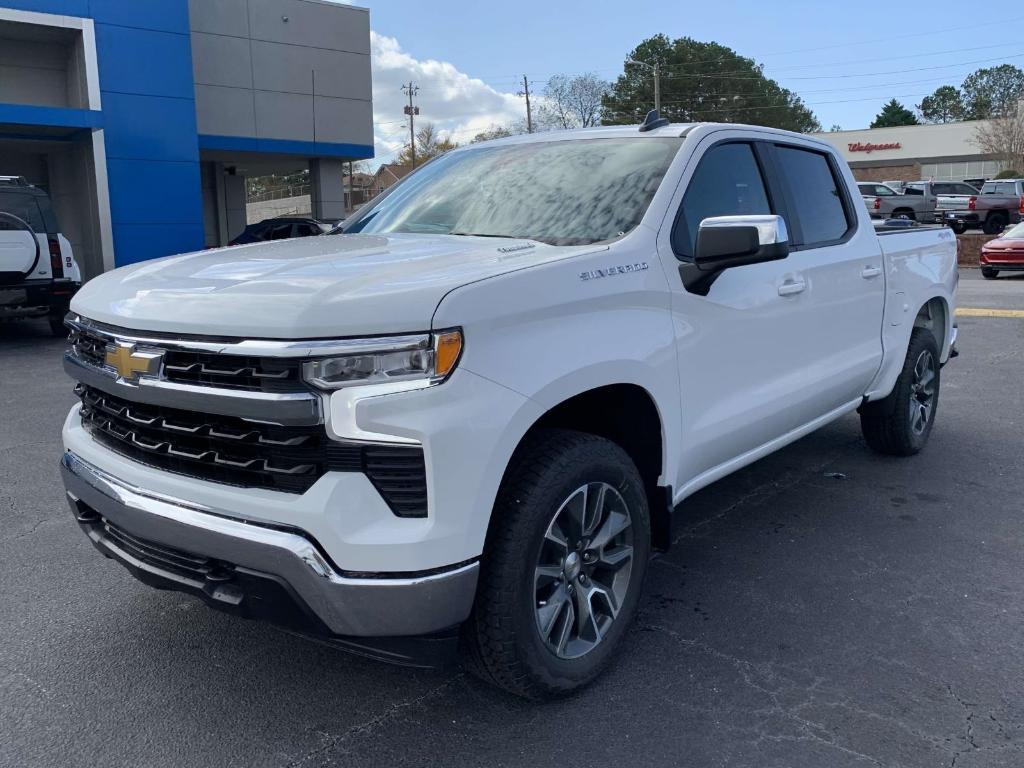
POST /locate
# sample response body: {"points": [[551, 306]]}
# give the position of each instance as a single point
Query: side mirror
{"points": [[724, 242]]}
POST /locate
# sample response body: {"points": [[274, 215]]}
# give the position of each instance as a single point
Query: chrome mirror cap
{"points": [[771, 229]]}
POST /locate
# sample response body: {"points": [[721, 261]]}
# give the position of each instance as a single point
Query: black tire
{"points": [[958, 228], [503, 637], [904, 213], [57, 327], [891, 425], [989, 274], [994, 223]]}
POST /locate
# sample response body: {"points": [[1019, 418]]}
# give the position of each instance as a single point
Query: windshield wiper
{"points": [[481, 234]]}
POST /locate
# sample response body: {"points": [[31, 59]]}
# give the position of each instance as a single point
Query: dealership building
{"points": [[142, 118], [943, 152]]}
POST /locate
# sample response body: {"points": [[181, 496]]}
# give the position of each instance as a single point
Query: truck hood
{"points": [[314, 287]]}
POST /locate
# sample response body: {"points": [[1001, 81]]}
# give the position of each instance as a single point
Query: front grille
{"points": [[258, 374], [234, 451]]}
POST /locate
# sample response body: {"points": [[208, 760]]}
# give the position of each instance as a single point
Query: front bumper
{"points": [[273, 573], [36, 297]]}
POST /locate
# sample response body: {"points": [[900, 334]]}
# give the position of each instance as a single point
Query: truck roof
{"points": [[671, 130]]}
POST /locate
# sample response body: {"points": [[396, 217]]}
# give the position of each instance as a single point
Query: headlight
{"points": [[427, 357]]}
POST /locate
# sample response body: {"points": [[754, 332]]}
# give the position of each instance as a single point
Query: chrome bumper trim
{"points": [[289, 409], [301, 348], [348, 605]]}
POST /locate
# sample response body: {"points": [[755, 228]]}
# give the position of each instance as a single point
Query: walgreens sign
{"points": [[869, 147]]}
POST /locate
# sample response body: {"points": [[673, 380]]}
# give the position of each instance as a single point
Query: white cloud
{"points": [[455, 102]]}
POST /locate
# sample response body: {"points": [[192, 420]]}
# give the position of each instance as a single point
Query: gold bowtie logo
{"points": [[131, 364]]}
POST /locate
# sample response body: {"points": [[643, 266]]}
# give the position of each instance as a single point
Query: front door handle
{"points": [[868, 272], [792, 287]]}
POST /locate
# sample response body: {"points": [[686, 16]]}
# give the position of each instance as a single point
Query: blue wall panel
{"points": [[142, 61], [151, 192], [139, 242], [164, 15], [141, 127]]}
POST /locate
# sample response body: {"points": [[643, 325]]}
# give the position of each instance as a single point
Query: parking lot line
{"points": [[981, 312]]}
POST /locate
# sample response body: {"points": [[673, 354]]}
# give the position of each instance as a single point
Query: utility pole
{"points": [[529, 115], [657, 80], [412, 89]]}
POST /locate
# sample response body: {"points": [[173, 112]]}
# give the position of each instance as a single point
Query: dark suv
{"points": [[280, 228]]}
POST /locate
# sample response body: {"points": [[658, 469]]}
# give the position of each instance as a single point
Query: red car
{"points": [[1004, 254]]}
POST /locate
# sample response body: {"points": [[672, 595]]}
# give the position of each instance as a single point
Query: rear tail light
{"points": [[972, 203], [878, 203], [56, 260], [1021, 206]]}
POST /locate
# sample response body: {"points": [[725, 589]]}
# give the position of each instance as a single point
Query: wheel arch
{"points": [[626, 414], [934, 316]]}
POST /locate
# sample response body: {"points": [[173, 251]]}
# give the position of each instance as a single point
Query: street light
{"points": [[657, 81]]}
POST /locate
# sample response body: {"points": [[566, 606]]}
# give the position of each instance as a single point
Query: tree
{"points": [[993, 91], [1003, 138], [1009, 173], [429, 144], [571, 102], [495, 131], [944, 105], [892, 115], [836, 127], [703, 81]]}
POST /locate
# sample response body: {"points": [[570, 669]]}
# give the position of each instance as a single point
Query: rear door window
{"points": [[727, 182], [816, 195], [25, 208]]}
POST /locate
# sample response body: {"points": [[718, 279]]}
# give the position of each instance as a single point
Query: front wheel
{"points": [[989, 274], [899, 425], [958, 227], [563, 566]]}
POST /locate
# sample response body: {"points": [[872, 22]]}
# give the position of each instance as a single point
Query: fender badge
{"points": [[621, 269], [514, 248]]}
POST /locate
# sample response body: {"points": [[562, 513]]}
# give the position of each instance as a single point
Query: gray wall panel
{"points": [[221, 60], [223, 17], [323, 25], [279, 67], [284, 116], [344, 120], [225, 111]]}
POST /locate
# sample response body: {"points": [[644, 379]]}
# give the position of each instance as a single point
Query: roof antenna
{"points": [[652, 121]]}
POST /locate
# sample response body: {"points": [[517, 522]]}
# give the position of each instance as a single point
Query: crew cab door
{"points": [[770, 347]]}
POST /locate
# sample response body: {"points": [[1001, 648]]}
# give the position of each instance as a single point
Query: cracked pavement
{"points": [[800, 619]]}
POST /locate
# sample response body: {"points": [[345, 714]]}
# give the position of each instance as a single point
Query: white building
{"points": [[945, 152]]}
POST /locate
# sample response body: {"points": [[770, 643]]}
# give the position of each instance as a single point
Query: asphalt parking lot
{"points": [[824, 607]]}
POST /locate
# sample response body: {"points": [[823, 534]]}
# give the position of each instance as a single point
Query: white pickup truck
{"points": [[465, 418]]}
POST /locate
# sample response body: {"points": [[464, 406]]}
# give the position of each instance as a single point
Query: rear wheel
{"points": [[899, 425], [958, 227], [57, 327], [563, 566], [995, 222], [904, 213], [989, 274]]}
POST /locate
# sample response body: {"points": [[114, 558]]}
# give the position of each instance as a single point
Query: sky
{"points": [[845, 60]]}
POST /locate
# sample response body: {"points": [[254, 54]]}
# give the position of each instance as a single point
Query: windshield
{"points": [[1016, 232], [572, 192]]}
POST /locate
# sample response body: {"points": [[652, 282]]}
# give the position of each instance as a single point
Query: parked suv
{"points": [[884, 202], [38, 273], [997, 204]]}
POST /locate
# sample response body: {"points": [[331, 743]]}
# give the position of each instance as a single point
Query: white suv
{"points": [[38, 273]]}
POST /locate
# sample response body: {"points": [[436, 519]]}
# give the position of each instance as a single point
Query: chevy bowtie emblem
{"points": [[129, 363]]}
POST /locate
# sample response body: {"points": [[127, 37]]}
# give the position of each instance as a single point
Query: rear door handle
{"points": [[868, 272], [792, 287]]}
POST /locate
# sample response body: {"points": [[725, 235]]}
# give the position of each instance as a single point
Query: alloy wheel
{"points": [[922, 393], [583, 570]]}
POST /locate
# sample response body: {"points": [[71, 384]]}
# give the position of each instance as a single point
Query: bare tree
{"points": [[1003, 137], [429, 144], [572, 102]]}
